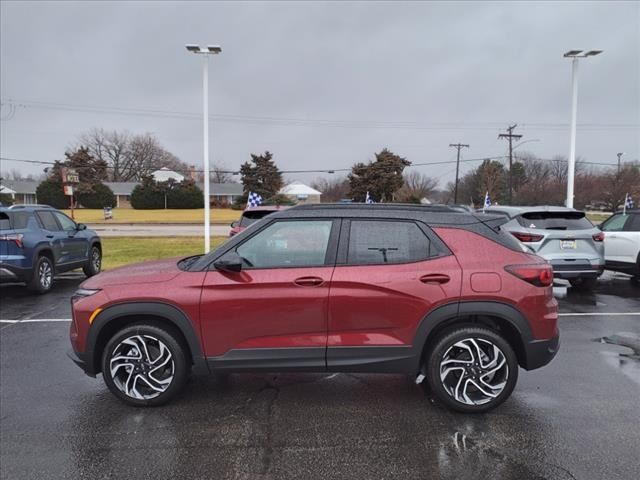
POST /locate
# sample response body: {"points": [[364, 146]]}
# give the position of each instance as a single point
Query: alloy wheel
{"points": [[142, 367], [96, 259], [45, 274], [474, 371]]}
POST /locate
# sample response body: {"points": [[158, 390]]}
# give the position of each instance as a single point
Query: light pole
{"points": [[574, 55], [205, 52]]}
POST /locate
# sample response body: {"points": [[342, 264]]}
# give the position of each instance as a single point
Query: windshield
{"points": [[250, 217], [555, 220]]}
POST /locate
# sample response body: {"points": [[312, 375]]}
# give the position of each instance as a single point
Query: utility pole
{"points": [[619, 157], [458, 146], [510, 136]]}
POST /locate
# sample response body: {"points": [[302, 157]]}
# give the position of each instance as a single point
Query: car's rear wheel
{"points": [[584, 283], [145, 364], [95, 262], [471, 369], [42, 280]]}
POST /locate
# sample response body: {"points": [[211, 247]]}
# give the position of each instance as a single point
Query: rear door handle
{"points": [[49, 236], [308, 281], [434, 278]]}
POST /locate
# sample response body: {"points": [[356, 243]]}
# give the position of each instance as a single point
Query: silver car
{"points": [[564, 237]]}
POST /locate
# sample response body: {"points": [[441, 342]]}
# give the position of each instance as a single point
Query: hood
{"points": [[148, 272]]}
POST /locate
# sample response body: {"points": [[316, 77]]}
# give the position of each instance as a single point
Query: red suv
{"points": [[426, 291]]}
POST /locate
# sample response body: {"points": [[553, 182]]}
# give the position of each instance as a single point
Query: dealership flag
{"points": [[254, 200], [487, 200], [628, 202], [368, 199]]}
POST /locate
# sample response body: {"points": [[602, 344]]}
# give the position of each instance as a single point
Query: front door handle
{"points": [[49, 236], [435, 278], [308, 281]]}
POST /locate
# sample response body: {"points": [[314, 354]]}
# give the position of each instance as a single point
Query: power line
{"points": [[303, 122]]}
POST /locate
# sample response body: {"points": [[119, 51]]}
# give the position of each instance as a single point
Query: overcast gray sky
{"points": [[322, 84]]}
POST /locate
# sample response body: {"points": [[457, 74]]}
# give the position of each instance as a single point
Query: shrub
{"points": [[279, 199], [100, 196], [50, 192], [185, 195], [147, 197], [6, 199]]}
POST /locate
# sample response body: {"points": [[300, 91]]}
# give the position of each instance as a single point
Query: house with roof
{"points": [[21, 191], [301, 193]]}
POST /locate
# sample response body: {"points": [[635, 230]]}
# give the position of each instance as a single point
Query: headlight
{"points": [[83, 292]]}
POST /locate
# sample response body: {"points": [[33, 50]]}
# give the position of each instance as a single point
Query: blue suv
{"points": [[38, 241]]}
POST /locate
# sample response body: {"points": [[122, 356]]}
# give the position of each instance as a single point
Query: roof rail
{"points": [[382, 206], [29, 205]]}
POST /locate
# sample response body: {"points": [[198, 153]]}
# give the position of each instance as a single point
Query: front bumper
{"points": [[539, 353], [79, 360]]}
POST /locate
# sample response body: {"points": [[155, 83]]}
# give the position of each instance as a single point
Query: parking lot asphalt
{"points": [[577, 418]]}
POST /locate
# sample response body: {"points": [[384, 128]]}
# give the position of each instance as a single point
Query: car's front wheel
{"points": [[42, 279], [145, 364], [471, 369], [95, 262]]}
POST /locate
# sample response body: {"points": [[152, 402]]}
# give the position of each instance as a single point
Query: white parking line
{"points": [[596, 314], [37, 320], [571, 314]]}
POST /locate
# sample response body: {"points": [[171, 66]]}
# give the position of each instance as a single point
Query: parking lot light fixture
{"points": [[571, 170], [205, 52]]}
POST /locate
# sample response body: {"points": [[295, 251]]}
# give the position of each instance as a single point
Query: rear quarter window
{"points": [[5, 222], [20, 220], [555, 220]]}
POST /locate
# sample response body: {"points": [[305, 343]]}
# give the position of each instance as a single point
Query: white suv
{"points": [[622, 242]]}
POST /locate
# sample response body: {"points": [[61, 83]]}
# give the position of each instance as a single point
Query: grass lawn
{"points": [[129, 215], [119, 251]]}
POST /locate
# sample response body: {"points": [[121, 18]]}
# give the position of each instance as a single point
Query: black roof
{"points": [[434, 214]]}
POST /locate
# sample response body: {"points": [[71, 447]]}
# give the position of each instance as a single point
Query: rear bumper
{"points": [[578, 270], [11, 273], [538, 353]]}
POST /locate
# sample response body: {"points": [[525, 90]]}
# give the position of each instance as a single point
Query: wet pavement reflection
{"points": [[576, 418]]}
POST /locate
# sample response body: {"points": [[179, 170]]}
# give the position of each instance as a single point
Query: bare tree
{"points": [[416, 187], [333, 189], [130, 157], [220, 174]]}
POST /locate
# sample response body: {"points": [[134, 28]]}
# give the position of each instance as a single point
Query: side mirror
{"points": [[231, 262], [235, 224], [81, 226]]}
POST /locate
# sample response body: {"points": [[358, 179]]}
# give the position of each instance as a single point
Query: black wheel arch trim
{"points": [[168, 312], [451, 311]]}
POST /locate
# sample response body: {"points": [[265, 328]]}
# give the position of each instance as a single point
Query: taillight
{"points": [[598, 237], [13, 237], [527, 237], [540, 275]]}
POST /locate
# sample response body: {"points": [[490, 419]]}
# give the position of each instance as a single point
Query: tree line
{"points": [[118, 156]]}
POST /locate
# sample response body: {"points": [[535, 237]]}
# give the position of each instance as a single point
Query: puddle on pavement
{"points": [[628, 361]]}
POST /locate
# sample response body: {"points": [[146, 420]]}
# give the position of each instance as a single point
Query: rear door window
{"points": [[555, 220], [48, 221], [374, 242], [633, 224]]}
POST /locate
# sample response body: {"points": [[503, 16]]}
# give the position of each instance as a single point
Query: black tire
{"points": [[179, 366], [584, 283], [43, 274], [445, 344], [95, 262]]}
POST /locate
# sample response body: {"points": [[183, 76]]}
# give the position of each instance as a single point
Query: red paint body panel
{"points": [[264, 308], [475, 253], [383, 304]]}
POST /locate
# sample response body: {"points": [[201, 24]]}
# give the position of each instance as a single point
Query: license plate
{"points": [[568, 244]]}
